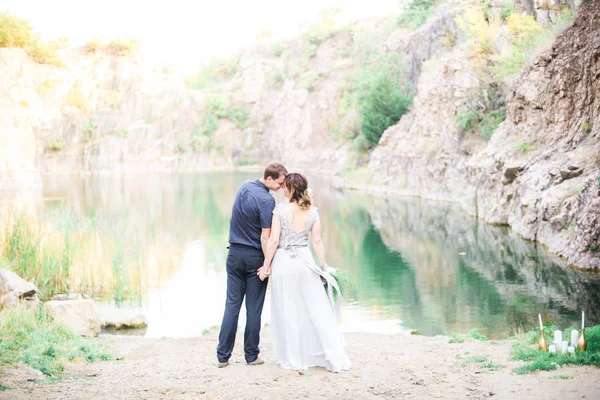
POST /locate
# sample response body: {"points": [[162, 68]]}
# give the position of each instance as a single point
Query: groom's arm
{"points": [[265, 212], [264, 239]]}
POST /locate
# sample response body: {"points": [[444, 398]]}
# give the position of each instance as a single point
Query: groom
{"points": [[249, 231]]}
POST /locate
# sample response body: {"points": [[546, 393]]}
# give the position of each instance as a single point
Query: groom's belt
{"points": [[242, 246]]}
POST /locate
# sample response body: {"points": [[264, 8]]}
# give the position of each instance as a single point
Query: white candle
{"points": [[552, 348], [565, 346], [557, 336], [571, 349], [582, 319], [540, 318], [574, 337]]}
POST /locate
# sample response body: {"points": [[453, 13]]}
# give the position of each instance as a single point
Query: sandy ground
{"points": [[385, 367]]}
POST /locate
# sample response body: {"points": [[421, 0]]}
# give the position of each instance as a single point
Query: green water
{"points": [[413, 264]]}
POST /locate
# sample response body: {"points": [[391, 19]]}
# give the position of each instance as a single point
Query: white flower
{"points": [[309, 192], [330, 270]]}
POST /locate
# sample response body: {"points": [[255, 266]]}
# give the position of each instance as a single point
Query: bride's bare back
{"points": [[297, 216]]}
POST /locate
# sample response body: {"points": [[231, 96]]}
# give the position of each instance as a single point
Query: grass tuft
{"points": [[31, 336]]}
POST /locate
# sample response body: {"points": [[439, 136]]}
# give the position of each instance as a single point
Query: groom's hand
{"points": [[263, 273]]}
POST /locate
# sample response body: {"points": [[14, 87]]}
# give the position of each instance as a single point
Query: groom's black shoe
{"points": [[258, 361]]}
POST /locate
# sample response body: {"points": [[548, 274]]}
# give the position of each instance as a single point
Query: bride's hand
{"points": [[263, 273]]}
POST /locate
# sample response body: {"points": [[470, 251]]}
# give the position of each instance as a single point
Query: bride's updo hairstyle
{"points": [[297, 185]]}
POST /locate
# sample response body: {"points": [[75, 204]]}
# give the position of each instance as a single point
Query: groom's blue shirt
{"points": [[252, 211]]}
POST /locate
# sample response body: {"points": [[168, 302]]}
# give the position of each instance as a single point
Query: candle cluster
{"points": [[563, 346]]}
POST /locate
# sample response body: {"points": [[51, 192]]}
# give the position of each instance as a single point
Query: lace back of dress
{"points": [[288, 236]]}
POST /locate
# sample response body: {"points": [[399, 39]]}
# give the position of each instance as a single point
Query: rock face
{"points": [[540, 171], [79, 315], [433, 39], [14, 290], [547, 12], [551, 193]]}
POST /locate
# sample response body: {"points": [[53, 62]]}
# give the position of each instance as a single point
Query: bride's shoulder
{"points": [[279, 207]]}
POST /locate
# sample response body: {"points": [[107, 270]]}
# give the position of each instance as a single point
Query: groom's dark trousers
{"points": [[242, 280]]}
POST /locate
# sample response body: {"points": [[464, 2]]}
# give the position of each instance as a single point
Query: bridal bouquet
{"points": [[342, 279]]}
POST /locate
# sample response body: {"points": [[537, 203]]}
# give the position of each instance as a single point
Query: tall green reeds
{"points": [[67, 253]]}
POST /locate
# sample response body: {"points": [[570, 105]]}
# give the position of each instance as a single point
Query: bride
{"points": [[303, 314]]}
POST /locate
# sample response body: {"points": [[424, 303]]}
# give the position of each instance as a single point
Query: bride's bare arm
{"points": [[272, 244], [318, 243]]}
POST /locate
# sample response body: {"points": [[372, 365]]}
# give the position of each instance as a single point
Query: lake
{"points": [[410, 264]]}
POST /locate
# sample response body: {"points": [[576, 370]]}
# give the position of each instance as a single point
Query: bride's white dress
{"points": [[303, 317]]}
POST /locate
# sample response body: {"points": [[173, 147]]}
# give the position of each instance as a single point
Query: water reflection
{"points": [[417, 265]]}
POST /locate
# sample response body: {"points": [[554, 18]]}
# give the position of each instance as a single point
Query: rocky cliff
{"points": [[539, 173]]}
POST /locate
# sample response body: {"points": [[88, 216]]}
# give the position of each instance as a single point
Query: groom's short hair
{"points": [[274, 170]]}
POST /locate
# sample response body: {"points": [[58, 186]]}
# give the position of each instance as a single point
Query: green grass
{"points": [[560, 377], [475, 359], [586, 127], [474, 334], [456, 338], [524, 146], [524, 350], [492, 367], [34, 338]]}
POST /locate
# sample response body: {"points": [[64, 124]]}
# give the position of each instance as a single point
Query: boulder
{"points": [[118, 319], [15, 290], [79, 315]]}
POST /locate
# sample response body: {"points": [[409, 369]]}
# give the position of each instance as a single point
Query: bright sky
{"points": [[183, 32]]}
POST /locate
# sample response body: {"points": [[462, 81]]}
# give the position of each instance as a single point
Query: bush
{"points": [[324, 28], [55, 145], [214, 73], [46, 52], [16, 32], [277, 49], [209, 125], [416, 14], [218, 105], [309, 49], [239, 116], [75, 97], [93, 45], [527, 36], [345, 102], [484, 123], [309, 79], [481, 33], [506, 10], [381, 94], [121, 47], [276, 79]]}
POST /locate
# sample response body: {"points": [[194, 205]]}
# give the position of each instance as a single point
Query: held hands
{"points": [[263, 273]]}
